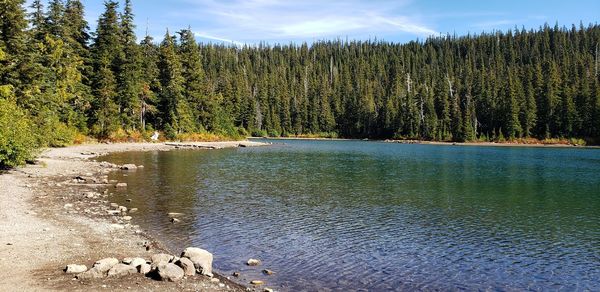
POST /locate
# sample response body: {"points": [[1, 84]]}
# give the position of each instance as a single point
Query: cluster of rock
{"points": [[164, 267]]}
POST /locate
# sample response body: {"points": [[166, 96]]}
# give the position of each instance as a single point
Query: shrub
{"points": [[17, 142]]}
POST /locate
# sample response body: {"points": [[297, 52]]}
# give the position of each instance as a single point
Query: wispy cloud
{"points": [[216, 38], [248, 21]]}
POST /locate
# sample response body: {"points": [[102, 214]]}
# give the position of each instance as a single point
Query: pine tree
{"points": [[194, 86], [176, 113], [129, 85], [105, 54]]}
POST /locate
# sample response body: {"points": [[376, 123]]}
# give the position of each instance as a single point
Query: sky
{"points": [[284, 21]]}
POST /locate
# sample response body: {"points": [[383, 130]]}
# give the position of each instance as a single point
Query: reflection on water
{"points": [[346, 215]]}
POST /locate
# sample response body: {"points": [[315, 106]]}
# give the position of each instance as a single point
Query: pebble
{"points": [[268, 272], [257, 282], [66, 206], [175, 220], [253, 262], [127, 218]]}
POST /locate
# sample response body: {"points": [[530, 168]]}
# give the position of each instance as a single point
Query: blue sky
{"points": [[285, 21]]}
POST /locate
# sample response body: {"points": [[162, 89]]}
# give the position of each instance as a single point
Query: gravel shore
{"points": [[54, 213]]}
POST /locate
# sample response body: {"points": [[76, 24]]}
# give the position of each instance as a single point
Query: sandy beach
{"points": [[54, 213]]}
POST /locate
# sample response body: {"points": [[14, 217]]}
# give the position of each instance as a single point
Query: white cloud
{"points": [[277, 20]]}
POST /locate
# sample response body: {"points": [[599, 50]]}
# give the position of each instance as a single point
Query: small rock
{"points": [[121, 185], [170, 272], [236, 274], [144, 269], [113, 212], [202, 260], [133, 210], [117, 226], [215, 280], [257, 282], [175, 220], [46, 229], [120, 270], [67, 206], [75, 269], [253, 262], [221, 285], [127, 260], [174, 214], [129, 167], [187, 265], [268, 272], [114, 205], [123, 209], [127, 218], [268, 290], [140, 166], [128, 200]]}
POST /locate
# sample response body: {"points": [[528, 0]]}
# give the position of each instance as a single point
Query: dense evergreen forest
{"points": [[59, 81]]}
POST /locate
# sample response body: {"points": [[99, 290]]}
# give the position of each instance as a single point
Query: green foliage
{"points": [[17, 142]]}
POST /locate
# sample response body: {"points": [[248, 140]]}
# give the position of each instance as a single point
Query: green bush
{"points": [[17, 142]]}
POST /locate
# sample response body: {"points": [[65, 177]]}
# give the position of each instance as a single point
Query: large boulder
{"points": [[159, 258], [136, 262], [104, 265], [120, 270], [75, 269], [144, 269], [187, 265], [93, 273], [170, 272], [201, 258]]}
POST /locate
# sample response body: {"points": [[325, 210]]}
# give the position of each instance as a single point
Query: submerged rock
{"points": [[257, 282], [201, 258], [170, 272], [75, 269], [268, 272], [129, 167]]}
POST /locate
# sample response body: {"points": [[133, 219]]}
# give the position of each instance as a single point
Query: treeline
{"points": [[64, 81]]}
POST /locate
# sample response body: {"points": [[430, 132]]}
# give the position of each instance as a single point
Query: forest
{"points": [[61, 83]]}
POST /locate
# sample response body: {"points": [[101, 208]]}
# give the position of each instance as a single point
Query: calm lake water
{"points": [[359, 215]]}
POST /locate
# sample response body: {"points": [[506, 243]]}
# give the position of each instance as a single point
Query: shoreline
{"points": [[49, 223]]}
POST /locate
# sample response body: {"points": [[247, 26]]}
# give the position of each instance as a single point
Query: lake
{"points": [[364, 215]]}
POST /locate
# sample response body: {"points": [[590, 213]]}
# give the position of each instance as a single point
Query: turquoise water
{"points": [[361, 215]]}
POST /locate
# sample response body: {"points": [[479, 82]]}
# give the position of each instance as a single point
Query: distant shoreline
{"points": [[440, 143]]}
